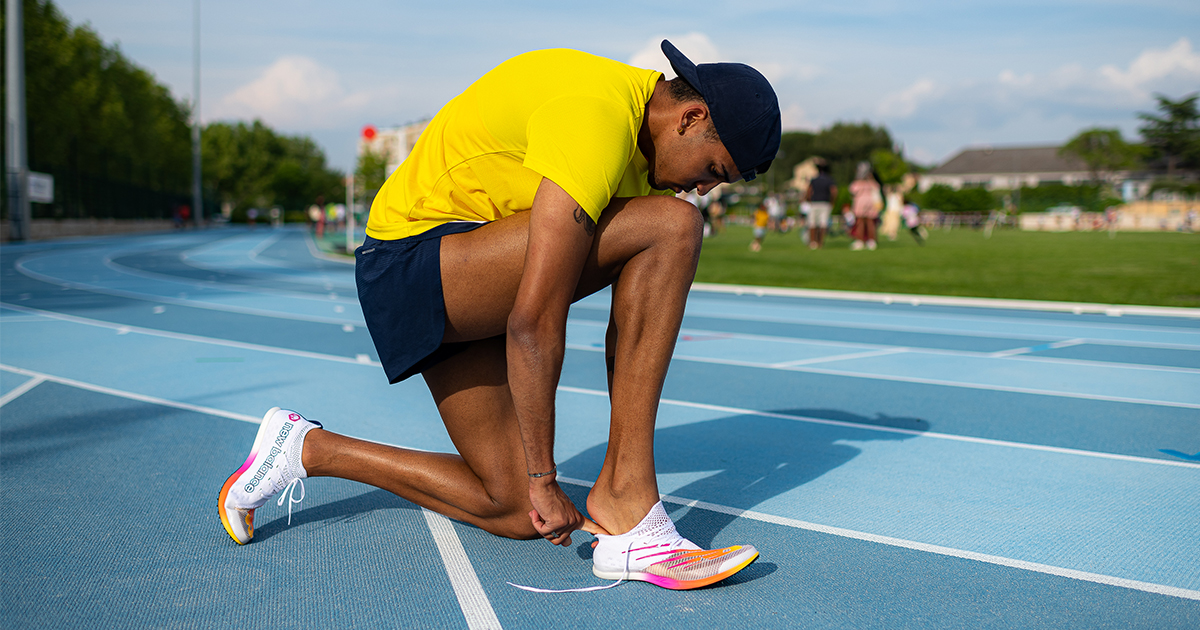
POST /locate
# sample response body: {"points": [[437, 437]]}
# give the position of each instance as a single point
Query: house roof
{"points": [[985, 160]]}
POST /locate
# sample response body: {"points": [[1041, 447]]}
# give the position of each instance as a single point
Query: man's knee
{"points": [[510, 521], [679, 224]]}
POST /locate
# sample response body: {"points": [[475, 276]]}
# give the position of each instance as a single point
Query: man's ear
{"points": [[693, 114]]}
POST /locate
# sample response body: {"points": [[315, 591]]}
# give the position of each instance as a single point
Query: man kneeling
{"points": [[547, 180]]}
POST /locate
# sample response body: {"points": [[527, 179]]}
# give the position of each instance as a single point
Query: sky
{"points": [[939, 74]]}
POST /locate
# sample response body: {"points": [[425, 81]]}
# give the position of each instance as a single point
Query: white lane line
{"points": [[840, 357], [477, 608], [471, 598], [736, 411], [807, 341], [1049, 346], [212, 306], [261, 247], [16, 392], [932, 381], [1149, 587], [317, 253], [944, 300], [154, 400], [212, 285], [937, 326], [123, 329]]}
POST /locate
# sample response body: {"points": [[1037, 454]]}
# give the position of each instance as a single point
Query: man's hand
{"points": [[554, 516]]}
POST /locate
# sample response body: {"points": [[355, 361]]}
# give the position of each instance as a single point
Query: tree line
{"points": [[119, 144]]}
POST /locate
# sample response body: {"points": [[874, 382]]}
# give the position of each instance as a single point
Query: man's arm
{"points": [[560, 238]]}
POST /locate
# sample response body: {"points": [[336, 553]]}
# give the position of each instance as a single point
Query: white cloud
{"points": [[904, 103], [794, 118], [695, 46], [1154, 65], [294, 92]]}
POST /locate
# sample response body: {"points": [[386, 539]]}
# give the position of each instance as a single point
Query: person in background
{"points": [[912, 220], [867, 203], [776, 213], [762, 219], [820, 195]]}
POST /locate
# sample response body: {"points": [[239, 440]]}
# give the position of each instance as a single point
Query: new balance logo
{"points": [[269, 462]]}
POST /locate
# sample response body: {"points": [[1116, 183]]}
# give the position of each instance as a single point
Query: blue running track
{"points": [[898, 465]]}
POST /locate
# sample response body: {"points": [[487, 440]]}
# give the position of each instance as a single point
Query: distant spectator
{"points": [[820, 195], [776, 213], [252, 216], [761, 219], [716, 209], [867, 203], [912, 220]]}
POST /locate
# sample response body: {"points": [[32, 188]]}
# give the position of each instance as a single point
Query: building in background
{"points": [[395, 143], [1031, 166]]}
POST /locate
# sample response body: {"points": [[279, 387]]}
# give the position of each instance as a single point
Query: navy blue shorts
{"points": [[400, 290]]}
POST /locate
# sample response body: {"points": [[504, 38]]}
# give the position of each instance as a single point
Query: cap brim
{"points": [[682, 66]]}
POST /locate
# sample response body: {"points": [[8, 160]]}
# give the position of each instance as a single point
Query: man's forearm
{"points": [[535, 356]]}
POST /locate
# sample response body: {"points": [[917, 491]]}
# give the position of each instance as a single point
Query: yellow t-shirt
{"points": [[565, 115]]}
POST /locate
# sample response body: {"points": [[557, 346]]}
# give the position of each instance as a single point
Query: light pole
{"points": [[19, 214], [197, 196]]}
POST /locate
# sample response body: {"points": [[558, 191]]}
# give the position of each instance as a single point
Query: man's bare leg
{"points": [[652, 245], [484, 485]]}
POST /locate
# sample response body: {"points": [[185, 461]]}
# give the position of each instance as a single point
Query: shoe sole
{"points": [[671, 583], [249, 517]]}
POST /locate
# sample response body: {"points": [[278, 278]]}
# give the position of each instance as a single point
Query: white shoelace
{"points": [[624, 574], [288, 495]]}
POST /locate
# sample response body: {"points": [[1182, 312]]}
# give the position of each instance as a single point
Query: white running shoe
{"points": [[654, 552], [274, 465], [871, 245]]}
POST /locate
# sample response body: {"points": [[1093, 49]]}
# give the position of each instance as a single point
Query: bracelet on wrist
{"points": [[552, 470]]}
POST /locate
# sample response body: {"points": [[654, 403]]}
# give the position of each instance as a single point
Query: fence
{"points": [[79, 196]]}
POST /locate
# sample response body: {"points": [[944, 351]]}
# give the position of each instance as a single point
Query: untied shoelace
{"points": [[624, 574]]}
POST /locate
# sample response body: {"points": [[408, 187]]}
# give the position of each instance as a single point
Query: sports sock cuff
{"points": [[295, 454]]}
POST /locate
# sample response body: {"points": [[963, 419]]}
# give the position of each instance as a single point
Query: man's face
{"points": [[693, 160]]}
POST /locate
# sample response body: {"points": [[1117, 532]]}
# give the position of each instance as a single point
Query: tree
{"points": [[94, 117], [371, 171], [889, 165], [1103, 150], [1174, 135], [249, 165]]}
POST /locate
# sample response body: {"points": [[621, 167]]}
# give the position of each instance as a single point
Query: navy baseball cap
{"points": [[743, 106]]}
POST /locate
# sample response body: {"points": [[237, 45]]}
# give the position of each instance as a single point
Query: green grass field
{"points": [[1146, 268]]}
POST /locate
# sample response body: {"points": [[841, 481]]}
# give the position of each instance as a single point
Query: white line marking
{"points": [[933, 381], [1109, 580], [125, 329], [471, 597], [942, 300], [477, 608], [212, 306], [154, 400], [317, 253], [840, 357], [871, 427], [1058, 344], [261, 247], [16, 392]]}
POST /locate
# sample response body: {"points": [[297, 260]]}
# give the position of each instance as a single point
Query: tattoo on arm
{"points": [[584, 218]]}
